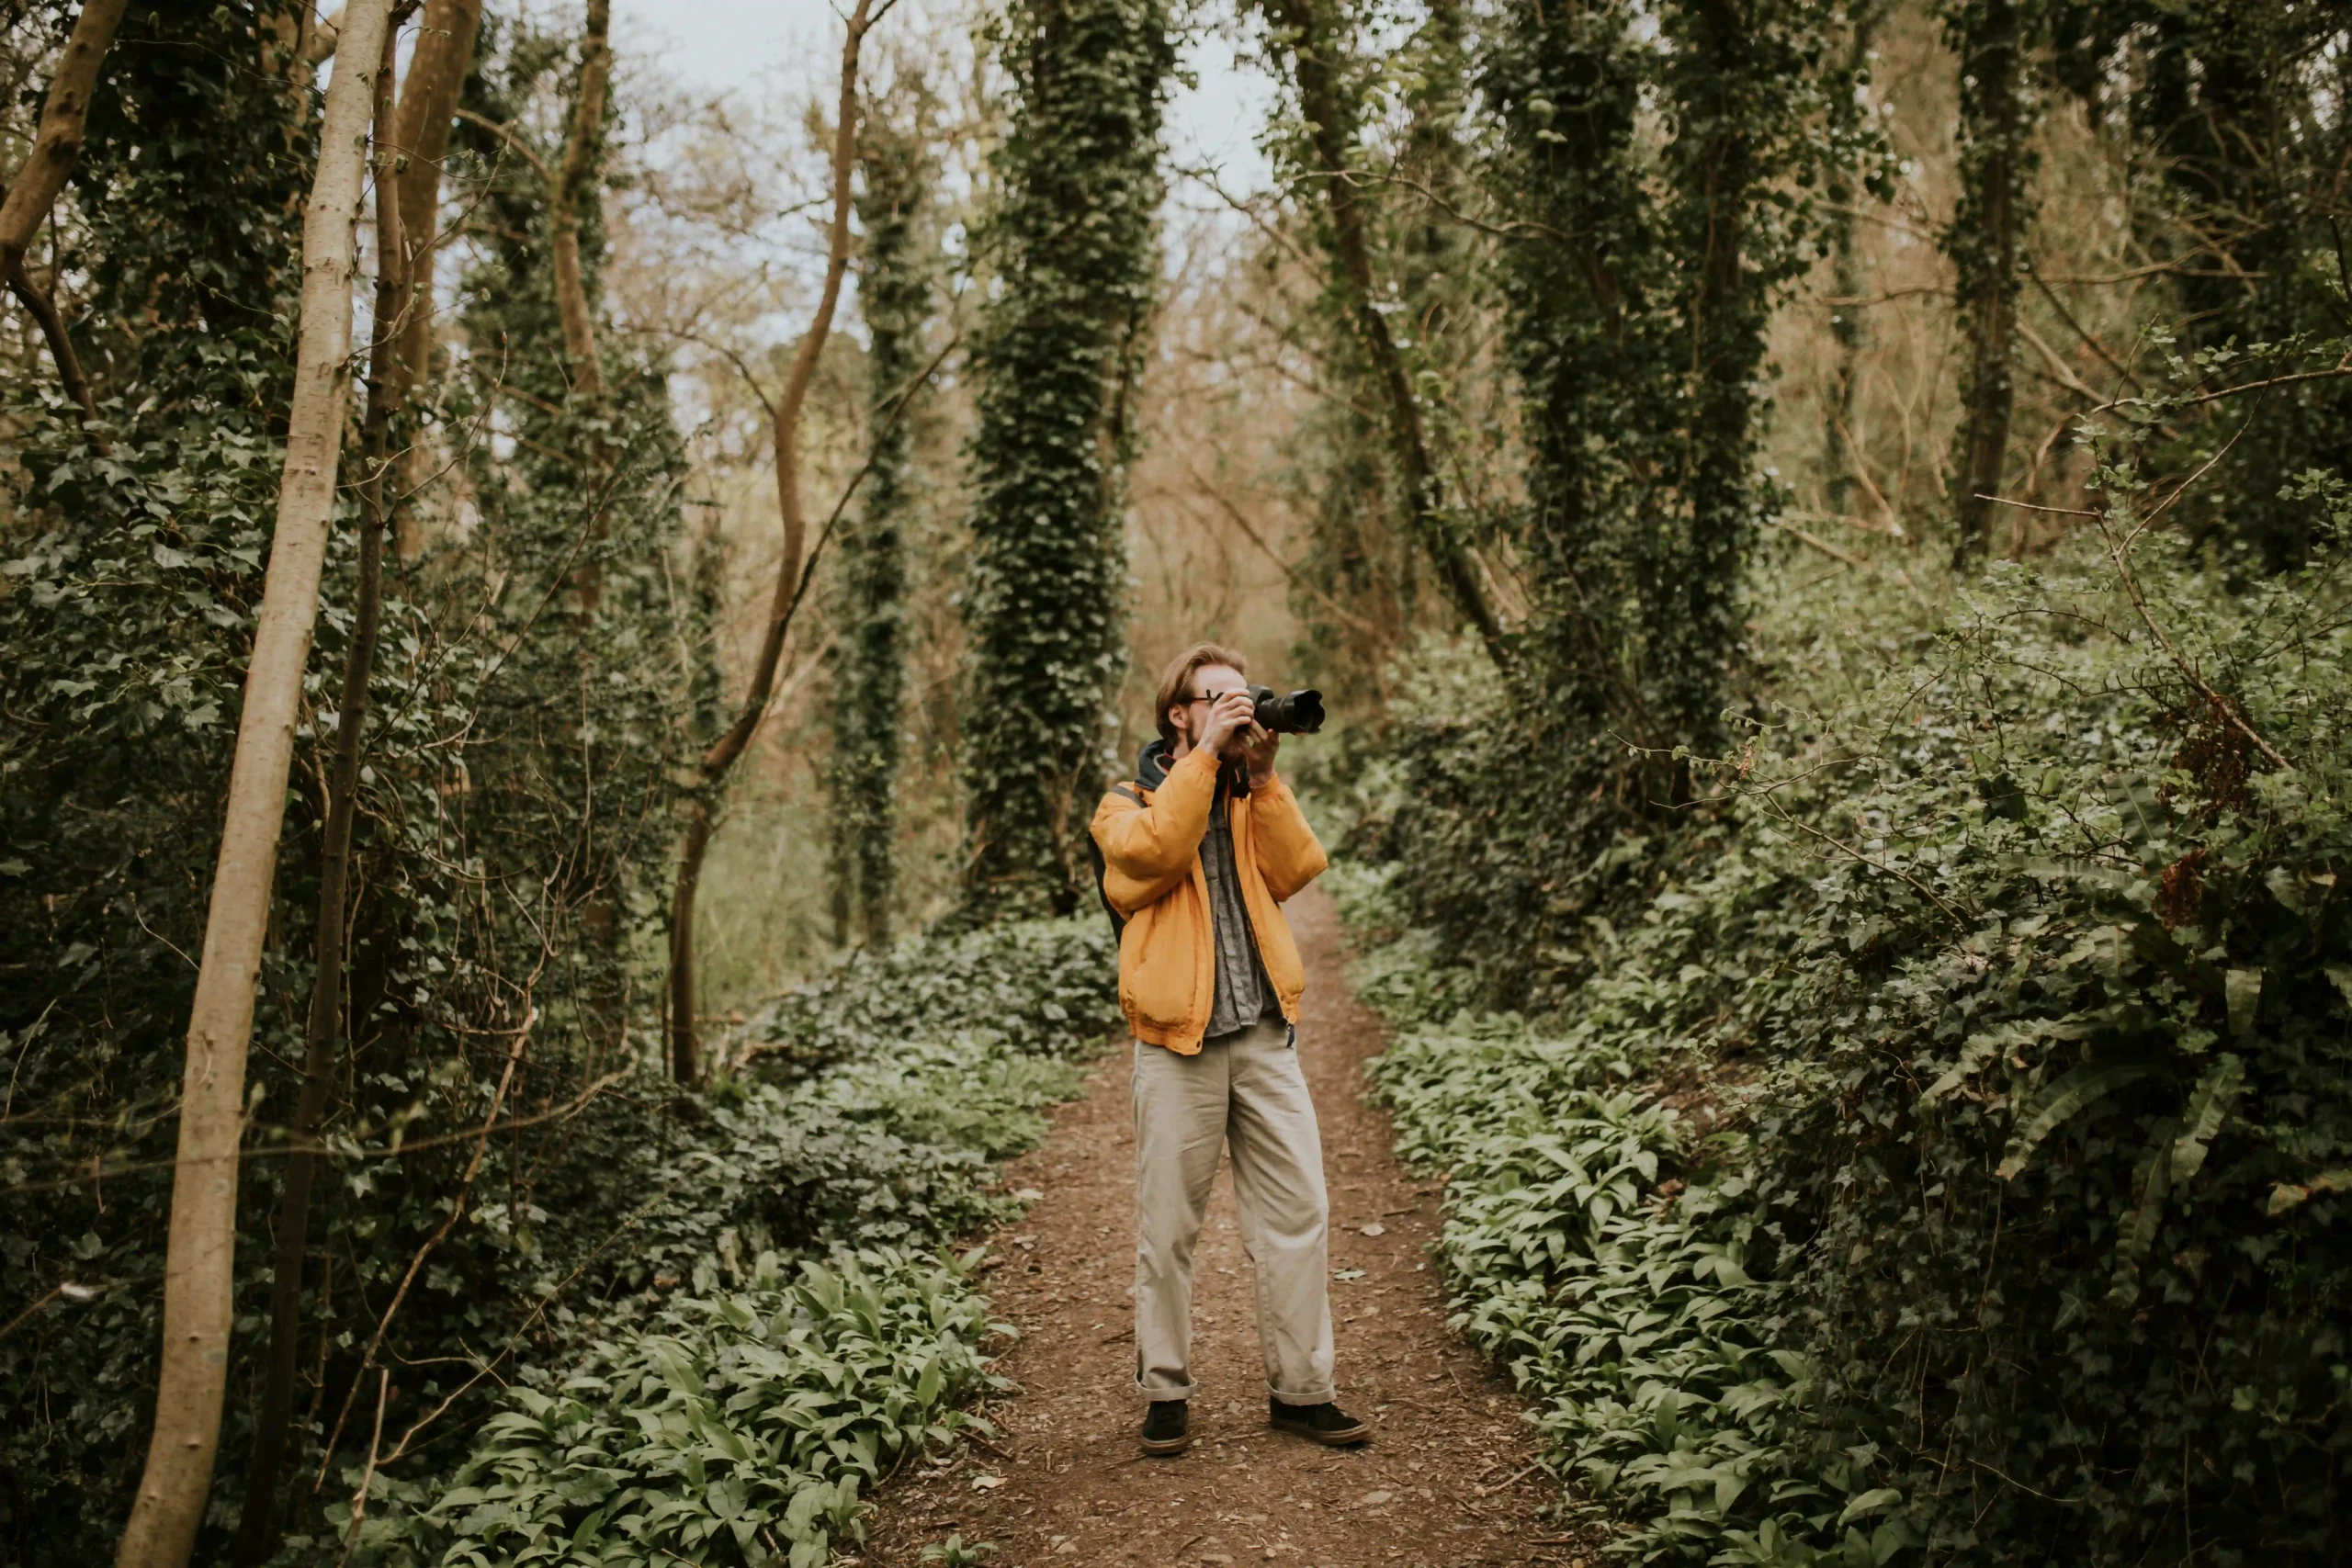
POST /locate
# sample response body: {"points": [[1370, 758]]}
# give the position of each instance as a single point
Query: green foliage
{"points": [[2234, 109], [127, 589], [1057, 354], [1998, 1212]]}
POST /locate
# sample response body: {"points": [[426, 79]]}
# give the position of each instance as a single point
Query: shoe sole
{"points": [[1343, 1438], [1167, 1448]]}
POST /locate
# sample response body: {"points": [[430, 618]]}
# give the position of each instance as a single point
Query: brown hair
{"points": [[1179, 674]]}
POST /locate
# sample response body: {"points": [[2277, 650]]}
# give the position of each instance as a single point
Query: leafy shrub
{"points": [[2005, 1215], [1038, 983]]}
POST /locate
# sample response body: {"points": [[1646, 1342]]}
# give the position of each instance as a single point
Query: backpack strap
{"points": [[1094, 853]]}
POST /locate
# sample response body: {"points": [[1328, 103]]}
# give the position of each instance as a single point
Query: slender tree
{"points": [[257, 1529], [198, 1285], [718, 759], [1309, 35], [896, 290], [57, 143], [437, 73], [1057, 355]]}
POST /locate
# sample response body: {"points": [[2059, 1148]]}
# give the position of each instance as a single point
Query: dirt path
{"points": [[1449, 1480]]}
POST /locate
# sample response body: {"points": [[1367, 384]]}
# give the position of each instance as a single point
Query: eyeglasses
{"points": [[1210, 697]]}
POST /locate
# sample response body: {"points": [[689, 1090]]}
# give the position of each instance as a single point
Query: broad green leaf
{"points": [[2243, 987], [2060, 1103], [2209, 1107], [1868, 1503]]}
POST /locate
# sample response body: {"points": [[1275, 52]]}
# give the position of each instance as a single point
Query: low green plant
{"points": [[1038, 983], [740, 1427]]}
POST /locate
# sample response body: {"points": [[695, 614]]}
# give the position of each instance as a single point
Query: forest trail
{"points": [[1449, 1480]]}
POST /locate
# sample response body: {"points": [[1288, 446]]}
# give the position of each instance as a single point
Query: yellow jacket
{"points": [[1149, 833]]}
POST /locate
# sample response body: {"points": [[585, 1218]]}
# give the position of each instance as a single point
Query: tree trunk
{"points": [[1848, 326], [199, 1279], [58, 142], [436, 74], [42, 308], [1987, 36], [895, 295], [563, 202], [258, 1530], [1697, 628], [1330, 133], [722, 753], [57, 145]]}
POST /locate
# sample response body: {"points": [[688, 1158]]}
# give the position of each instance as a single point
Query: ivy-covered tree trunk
{"points": [[895, 288], [569, 796], [1720, 94], [1991, 39], [1579, 282], [1057, 355], [199, 1276]]}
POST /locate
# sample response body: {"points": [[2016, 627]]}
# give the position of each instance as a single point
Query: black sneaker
{"points": [[1325, 1423], [1168, 1428]]}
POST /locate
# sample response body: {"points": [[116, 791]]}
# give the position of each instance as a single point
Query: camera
{"points": [[1300, 713]]}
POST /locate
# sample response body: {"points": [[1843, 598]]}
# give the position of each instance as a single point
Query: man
{"points": [[1199, 853]]}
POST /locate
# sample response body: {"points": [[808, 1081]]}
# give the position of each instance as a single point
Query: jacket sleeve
{"points": [[1148, 849], [1289, 854]]}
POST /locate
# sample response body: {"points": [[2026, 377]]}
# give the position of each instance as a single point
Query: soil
{"points": [[1449, 1478]]}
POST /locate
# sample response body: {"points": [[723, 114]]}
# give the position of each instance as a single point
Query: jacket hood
{"points": [[1153, 762], [1151, 765]]}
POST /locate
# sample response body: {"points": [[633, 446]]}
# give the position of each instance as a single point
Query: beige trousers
{"points": [[1246, 1091]]}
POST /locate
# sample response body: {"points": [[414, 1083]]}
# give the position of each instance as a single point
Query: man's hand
{"points": [[1228, 717], [1259, 745]]}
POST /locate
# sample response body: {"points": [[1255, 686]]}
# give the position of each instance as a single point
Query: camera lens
{"points": [[1300, 713]]}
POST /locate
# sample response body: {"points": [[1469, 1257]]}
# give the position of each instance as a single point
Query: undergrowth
{"points": [[1942, 1153], [772, 1327]]}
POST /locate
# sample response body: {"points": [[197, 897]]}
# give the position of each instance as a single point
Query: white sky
{"points": [[731, 43]]}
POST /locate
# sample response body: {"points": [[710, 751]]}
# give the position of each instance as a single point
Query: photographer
{"points": [[1199, 853]]}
